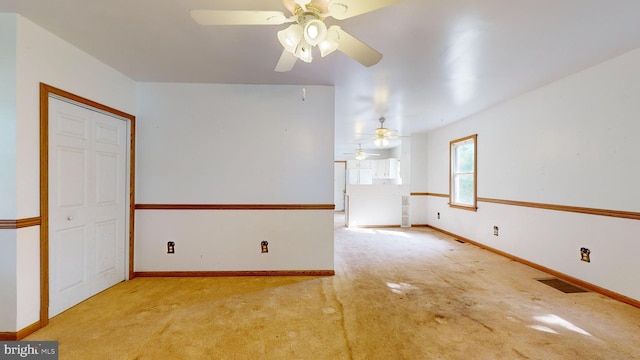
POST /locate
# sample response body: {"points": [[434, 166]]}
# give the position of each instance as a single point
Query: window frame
{"points": [[452, 189]]}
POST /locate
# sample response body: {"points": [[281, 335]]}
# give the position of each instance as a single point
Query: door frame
{"points": [[45, 92]]}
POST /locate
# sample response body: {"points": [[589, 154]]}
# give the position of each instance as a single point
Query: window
{"points": [[462, 184]]}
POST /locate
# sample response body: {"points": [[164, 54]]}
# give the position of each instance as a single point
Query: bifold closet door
{"points": [[87, 203]]}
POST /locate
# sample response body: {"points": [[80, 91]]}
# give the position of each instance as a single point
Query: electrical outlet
{"points": [[171, 247], [495, 230], [585, 254], [438, 215], [264, 247]]}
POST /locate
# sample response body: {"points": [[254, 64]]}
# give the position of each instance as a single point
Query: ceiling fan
{"points": [[308, 29], [382, 135], [360, 154]]}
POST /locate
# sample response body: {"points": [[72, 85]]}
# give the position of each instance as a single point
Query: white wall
{"points": [[44, 57], [570, 143], [418, 178], [7, 170], [40, 57], [234, 144], [8, 302], [230, 240], [8, 116]]}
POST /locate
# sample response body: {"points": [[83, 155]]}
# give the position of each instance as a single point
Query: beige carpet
{"points": [[397, 294]]}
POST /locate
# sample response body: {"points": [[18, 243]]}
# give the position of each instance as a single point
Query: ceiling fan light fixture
{"points": [[382, 132], [303, 52], [290, 37], [330, 42], [381, 141], [315, 31], [307, 28]]}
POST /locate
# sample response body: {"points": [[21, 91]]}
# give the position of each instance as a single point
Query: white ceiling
{"points": [[443, 59]]}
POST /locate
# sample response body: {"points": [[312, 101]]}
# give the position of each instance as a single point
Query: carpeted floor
{"points": [[397, 294]]}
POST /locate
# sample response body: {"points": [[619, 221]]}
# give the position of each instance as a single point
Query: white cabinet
{"points": [[353, 176], [381, 169], [360, 176], [366, 176], [358, 164], [385, 168], [359, 172], [366, 171]]}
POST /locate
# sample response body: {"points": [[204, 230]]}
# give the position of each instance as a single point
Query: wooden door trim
{"points": [[45, 92]]}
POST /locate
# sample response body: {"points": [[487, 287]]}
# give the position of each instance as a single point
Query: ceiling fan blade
{"points": [[344, 9], [359, 51], [286, 62], [238, 17]]}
